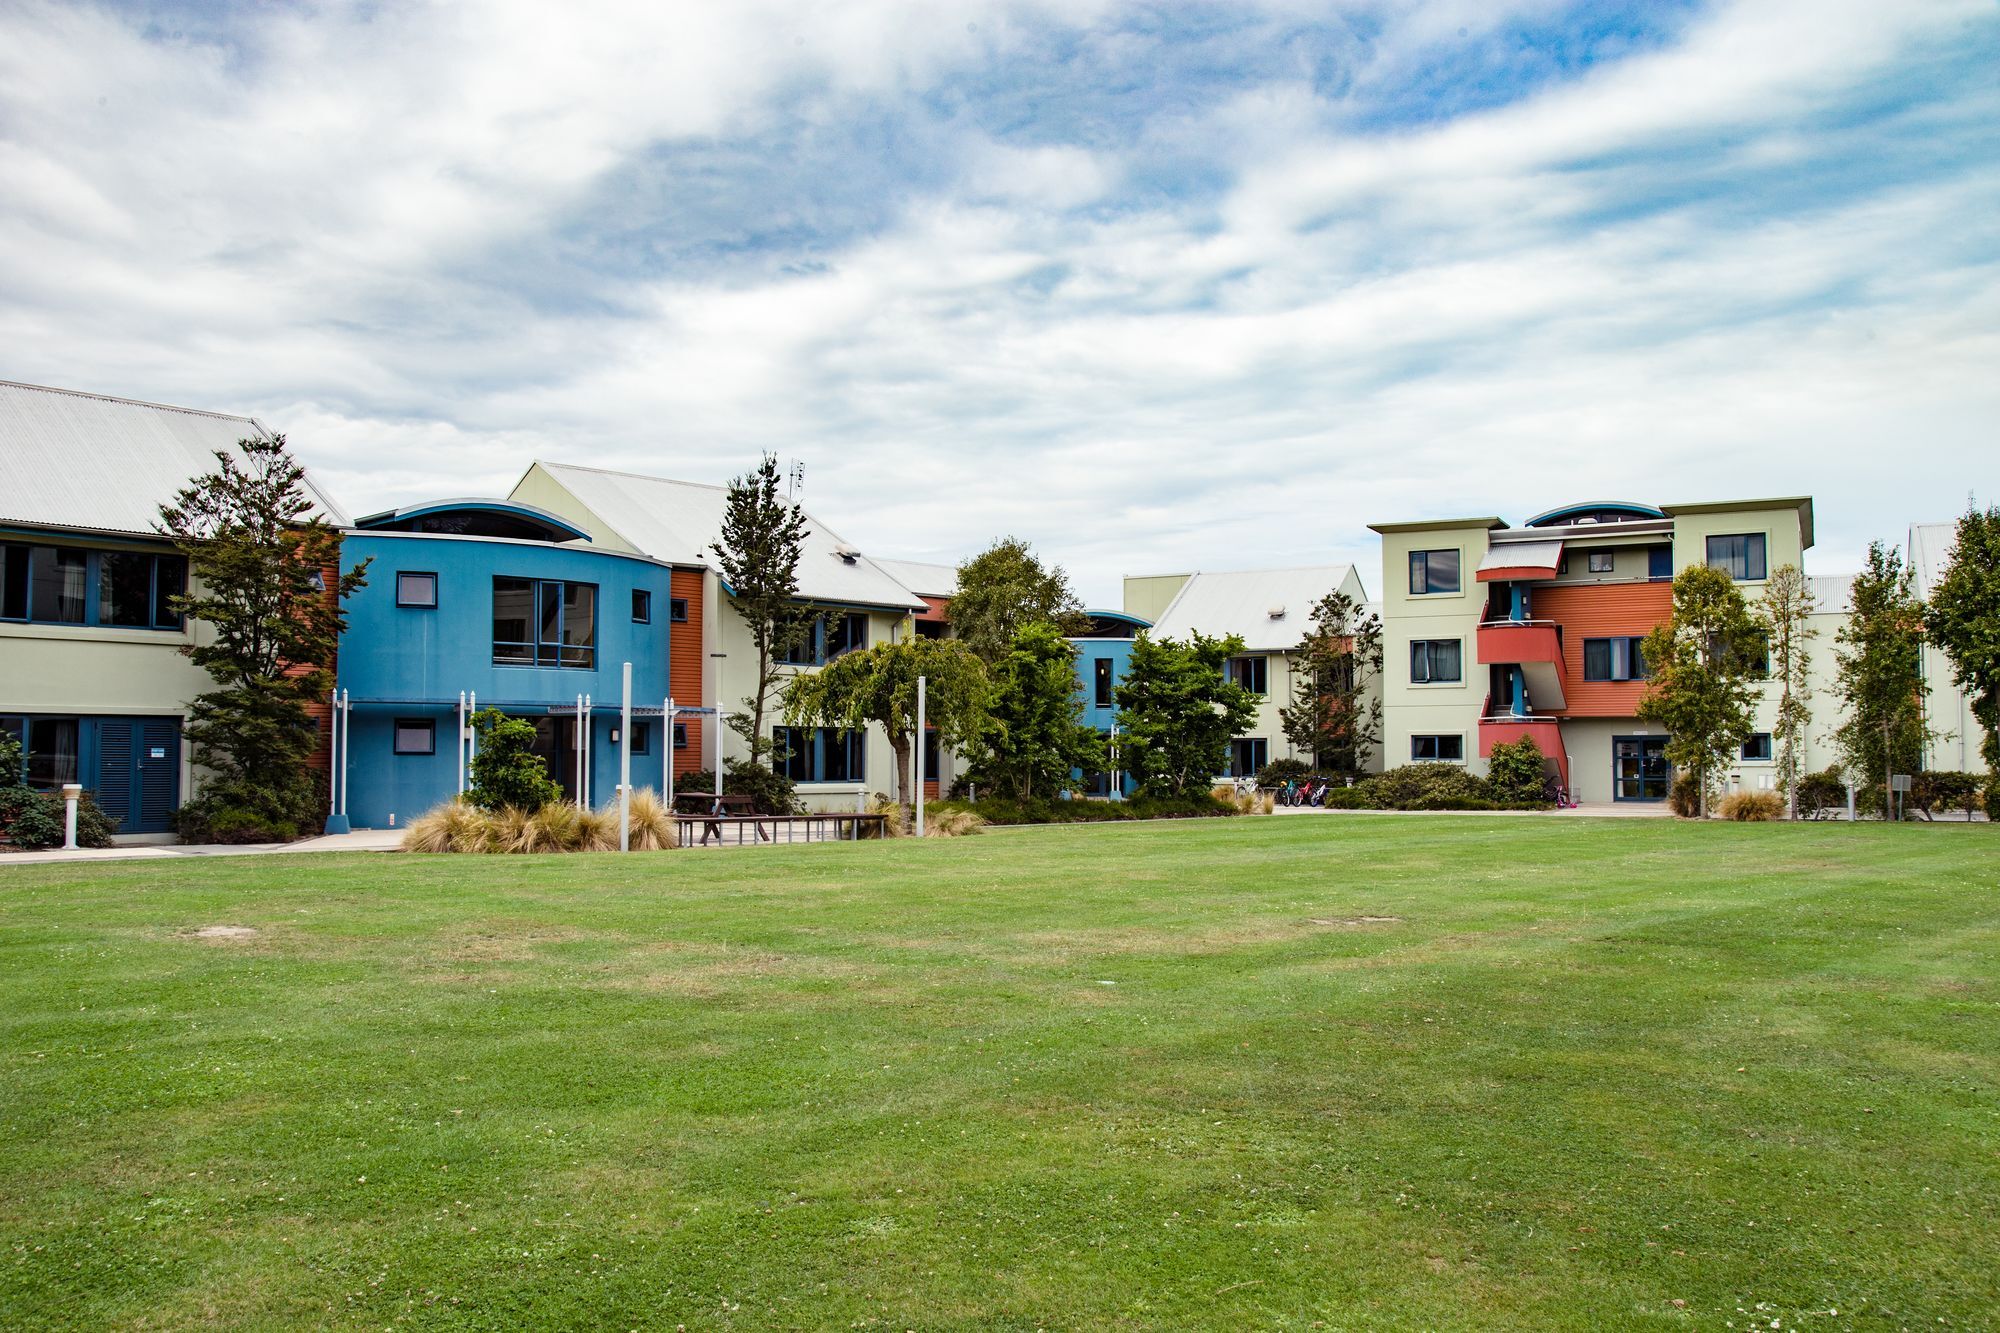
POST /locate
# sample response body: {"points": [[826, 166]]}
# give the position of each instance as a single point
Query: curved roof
{"points": [[1598, 510], [478, 517]]}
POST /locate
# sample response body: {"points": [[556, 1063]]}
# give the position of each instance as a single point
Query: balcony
{"points": [[1535, 647], [1505, 729]]}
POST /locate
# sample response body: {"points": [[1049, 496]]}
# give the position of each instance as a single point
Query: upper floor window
{"points": [[829, 636], [544, 622], [1603, 562], [1435, 661], [69, 585], [416, 589], [642, 607], [1659, 562], [820, 754], [1739, 555], [1101, 682], [1758, 747], [1252, 673], [677, 610], [1433, 571], [1621, 658]]}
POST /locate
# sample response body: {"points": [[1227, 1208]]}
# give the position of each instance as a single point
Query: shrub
{"points": [[1427, 787], [1280, 771], [771, 793], [1517, 773], [1931, 792], [1000, 811], [33, 820], [1752, 806], [1685, 796], [1820, 793], [506, 771], [1348, 798], [456, 826]]}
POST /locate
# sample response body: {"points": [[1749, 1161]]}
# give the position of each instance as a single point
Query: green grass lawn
{"points": [[1349, 1072]]}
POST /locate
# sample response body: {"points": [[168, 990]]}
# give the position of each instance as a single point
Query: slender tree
{"points": [[1785, 615], [878, 685], [1004, 589], [1036, 737], [259, 560], [763, 534], [1963, 619], [1336, 714], [1178, 711], [1703, 664], [1881, 677]]}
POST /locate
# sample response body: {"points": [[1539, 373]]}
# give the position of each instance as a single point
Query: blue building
{"points": [[1103, 653], [513, 607]]}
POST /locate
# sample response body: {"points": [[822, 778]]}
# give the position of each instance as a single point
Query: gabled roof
{"points": [[89, 462], [1242, 602], [921, 578], [677, 521]]}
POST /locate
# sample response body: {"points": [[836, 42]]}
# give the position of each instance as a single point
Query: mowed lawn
{"points": [[1340, 1072]]}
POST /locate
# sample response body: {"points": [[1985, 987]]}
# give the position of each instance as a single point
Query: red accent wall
{"points": [[1598, 611], [684, 664]]}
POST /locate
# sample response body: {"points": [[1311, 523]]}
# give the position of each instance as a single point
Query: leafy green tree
{"points": [[1963, 619], [1704, 662], [505, 768], [1335, 714], [1004, 589], [1517, 773], [1178, 710], [878, 685], [763, 534], [259, 563], [1036, 735], [1785, 616], [1881, 677]]}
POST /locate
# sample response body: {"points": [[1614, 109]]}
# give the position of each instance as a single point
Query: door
{"points": [[138, 772], [1639, 768], [555, 742]]}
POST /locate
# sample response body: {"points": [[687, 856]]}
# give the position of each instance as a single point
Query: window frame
{"points": [[677, 610], [1437, 740], [1624, 659], [1770, 750], [1422, 560], [1257, 666], [1760, 542], [1604, 553], [642, 606], [801, 753], [642, 736], [1103, 681], [403, 601], [19, 561], [426, 725], [1427, 647], [547, 654], [1259, 750]]}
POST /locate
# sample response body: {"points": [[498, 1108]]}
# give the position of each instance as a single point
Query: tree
{"points": [[1785, 616], [259, 567], [1036, 737], [763, 535], [1334, 715], [1881, 677], [1178, 710], [878, 685], [505, 768], [1004, 589], [1964, 619], [1703, 664]]}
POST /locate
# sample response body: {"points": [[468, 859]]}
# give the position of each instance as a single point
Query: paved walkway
{"points": [[363, 840], [1603, 809]]}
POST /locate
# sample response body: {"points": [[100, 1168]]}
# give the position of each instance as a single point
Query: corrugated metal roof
{"points": [[1242, 602], [1832, 593], [677, 521], [83, 460], [1931, 545], [1522, 555], [926, 580]]}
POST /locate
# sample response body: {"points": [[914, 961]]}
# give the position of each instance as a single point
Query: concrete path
{"points": [[363, 840]]}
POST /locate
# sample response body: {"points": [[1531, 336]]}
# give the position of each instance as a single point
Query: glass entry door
{"points": [[1639, 768]]}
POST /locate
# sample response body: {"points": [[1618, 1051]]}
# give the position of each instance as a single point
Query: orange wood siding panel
{"points": [[1601, 611], [684, 664]]}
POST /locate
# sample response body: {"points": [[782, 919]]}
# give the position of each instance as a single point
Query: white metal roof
{"points": [[1831, 593], [926, 580], [1931, 545], [1243, 602], [1522, 555], [86, 461], [677, 521]]}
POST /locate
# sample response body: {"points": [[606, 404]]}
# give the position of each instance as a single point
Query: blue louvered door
{"points": [[159, 785], [116, 739], [138, 772]]}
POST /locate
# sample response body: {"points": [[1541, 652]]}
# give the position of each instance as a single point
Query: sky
{"points": [[1155, 287]]}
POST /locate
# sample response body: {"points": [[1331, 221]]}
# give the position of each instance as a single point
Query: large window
{"points": [[1622, 658], [52, 751], [1247, 755], [544, 622], [1740, 555], [1101, 682], [831, 634], [68, 585], [820, 754], [1252, 673], [1433, 571], [1448, 749], [1435, 662]]}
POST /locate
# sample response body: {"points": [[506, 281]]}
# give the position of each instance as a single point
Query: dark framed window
{"points": [[1659, 562], [1739, 555], [1101, 682], [53, 750], [1758, 747], [1433, 571], [415, 735], [1447, 748], [71, 585], [1602, 562], [677, 610], [642, 738], [820, 754], [1247, 754], [829, 636], [417, 588], [642, 607], [1621, 658], [680, 735], [931, 754], [544, 622], [1435, 662], [1252, 673]]}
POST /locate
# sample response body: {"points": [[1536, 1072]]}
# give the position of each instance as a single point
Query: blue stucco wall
{"points": [[1119, 651], [408, 662]]}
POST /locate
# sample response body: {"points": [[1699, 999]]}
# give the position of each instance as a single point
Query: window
{"points": [[1603, 562], [1101, 682], [1622, 658], [1437, 749], [67, 585], [416, 589], [1252, 673], [415, 735], [1433, 571], [677, 610], [1434, 661], [680, 735], [1758, 748], [642, 607], [1247, 755], [52, 751], [820, 754], [544, 622], [1741, 556], [1659, 562], [642, 738], [828, 637], [931, 760]]}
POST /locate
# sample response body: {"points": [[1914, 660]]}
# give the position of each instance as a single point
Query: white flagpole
{"points": [[920, 756], [625, 766], [667, 744]]}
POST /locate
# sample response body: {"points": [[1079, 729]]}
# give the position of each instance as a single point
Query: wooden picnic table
{"points": [[715, 826]]}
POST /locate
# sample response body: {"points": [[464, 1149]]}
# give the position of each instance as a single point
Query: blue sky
{"points": [[1153, 286]]}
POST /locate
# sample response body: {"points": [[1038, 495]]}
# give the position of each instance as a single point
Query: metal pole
{"points": [[920, 756], [471, 730], [589, 711], [667, 744], [333, 756], [625, 766], [1117, 778], [459, 742], [576, 743], [346, 746]]}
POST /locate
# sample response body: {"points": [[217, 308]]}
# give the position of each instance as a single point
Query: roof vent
{"points": [[1276, 612], [848, 554]]}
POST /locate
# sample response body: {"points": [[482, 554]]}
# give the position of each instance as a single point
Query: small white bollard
{"points": [[72, 793]]}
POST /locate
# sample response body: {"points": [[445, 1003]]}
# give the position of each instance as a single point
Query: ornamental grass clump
{"points": [[951, 823], [1752, 807], [455, 826], [653, 828]]}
